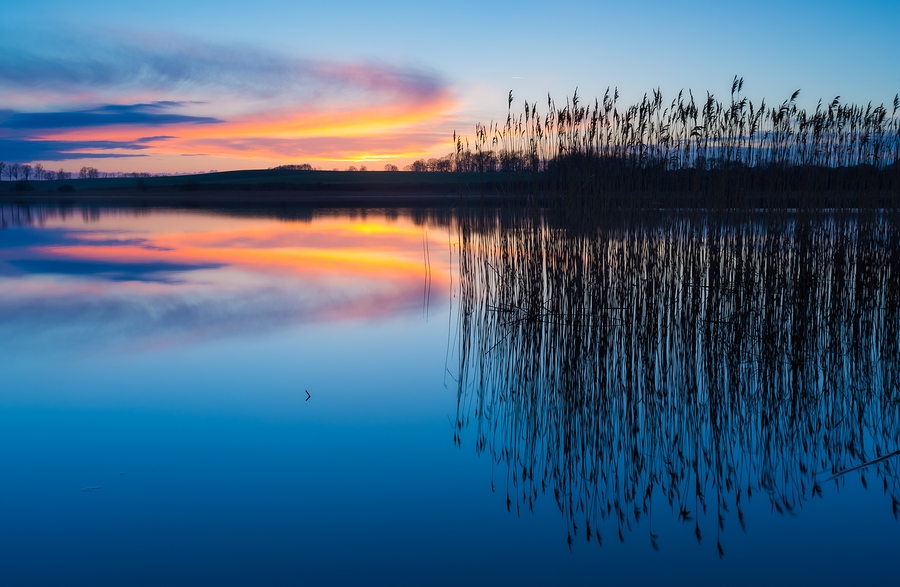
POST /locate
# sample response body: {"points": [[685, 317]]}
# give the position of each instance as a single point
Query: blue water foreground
{"points": [[156, 428]]}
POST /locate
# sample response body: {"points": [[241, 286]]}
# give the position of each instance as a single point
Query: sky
{"points": [[189, 86]]}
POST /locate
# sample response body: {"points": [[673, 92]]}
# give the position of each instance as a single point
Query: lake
{"points": [[408, 397]]}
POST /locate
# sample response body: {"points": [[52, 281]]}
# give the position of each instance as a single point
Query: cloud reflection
{"points": [[148, 280], [113, 271]]}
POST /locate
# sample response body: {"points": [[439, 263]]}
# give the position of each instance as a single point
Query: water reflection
{"points": [[687, 363], [641, 373], [140, 277]]}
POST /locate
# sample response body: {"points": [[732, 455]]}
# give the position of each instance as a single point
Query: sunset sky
{"points": [[193, 86]]}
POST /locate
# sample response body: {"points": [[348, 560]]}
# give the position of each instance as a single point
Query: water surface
{"points": [[470, 414]]}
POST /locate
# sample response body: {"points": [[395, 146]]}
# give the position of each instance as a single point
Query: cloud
{"points": [[32, 146], [330, 147], [27, 149], [90, 66], [85, 98], [108, 115]]}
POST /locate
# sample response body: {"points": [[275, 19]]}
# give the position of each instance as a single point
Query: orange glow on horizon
{"points": [[386, 132]]}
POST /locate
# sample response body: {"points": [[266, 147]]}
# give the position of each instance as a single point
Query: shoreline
{"points": [[419, 196], [240, 198]]}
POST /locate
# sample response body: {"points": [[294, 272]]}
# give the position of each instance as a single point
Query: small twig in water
{"points": [[863, 465]]}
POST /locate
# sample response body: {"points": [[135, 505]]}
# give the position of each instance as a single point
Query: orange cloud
{"points": [[364, 135], [265, 107]]}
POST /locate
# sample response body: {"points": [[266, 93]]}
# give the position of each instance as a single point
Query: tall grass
{"points": [[702, 152]]}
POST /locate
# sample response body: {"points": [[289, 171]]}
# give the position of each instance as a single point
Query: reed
{"points": [[687, 151]]}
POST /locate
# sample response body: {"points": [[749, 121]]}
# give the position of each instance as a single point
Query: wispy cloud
{"points": [[28, 149], [371, 147], [75, 98], [85, 67], [155, 114]]}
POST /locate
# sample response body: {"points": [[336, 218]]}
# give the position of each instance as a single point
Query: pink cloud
{"points": [[266, 106]]}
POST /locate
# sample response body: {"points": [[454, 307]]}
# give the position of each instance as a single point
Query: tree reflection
{"points": [[703, 360]]}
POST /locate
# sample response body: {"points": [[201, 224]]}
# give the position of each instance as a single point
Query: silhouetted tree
{"points": [[2, 167], [440, 164], [62, 174], [12, 171], [390, 167], [26, 171], [38, 171], [300, 167]]}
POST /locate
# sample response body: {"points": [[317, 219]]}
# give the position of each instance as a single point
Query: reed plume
{"points": [[690, 151]]}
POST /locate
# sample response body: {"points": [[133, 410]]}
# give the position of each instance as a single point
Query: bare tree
{"points": [[12, 171], [2, 167], [440, 164], [26, 171], [38, 171], [89, 173], [390, 167], [62, 174]]}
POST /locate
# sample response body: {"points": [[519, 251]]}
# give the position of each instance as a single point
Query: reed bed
{"points": [[690, 152], [687, 361]]}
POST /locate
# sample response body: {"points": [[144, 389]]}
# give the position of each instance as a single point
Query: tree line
{"points": [[446, 163], [37, 172], [467, 161]]}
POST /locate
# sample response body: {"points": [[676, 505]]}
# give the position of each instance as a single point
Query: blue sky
{"points": [[197, 85]]}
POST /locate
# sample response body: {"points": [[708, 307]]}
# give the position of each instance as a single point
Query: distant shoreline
{"points": [[372, 197], [275, 188], [252, 188]]}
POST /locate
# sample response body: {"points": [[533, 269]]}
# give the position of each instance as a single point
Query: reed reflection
{"points": [[692, 362]]}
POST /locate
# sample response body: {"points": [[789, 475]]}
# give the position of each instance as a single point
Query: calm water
{"points": [[675, 416]]}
